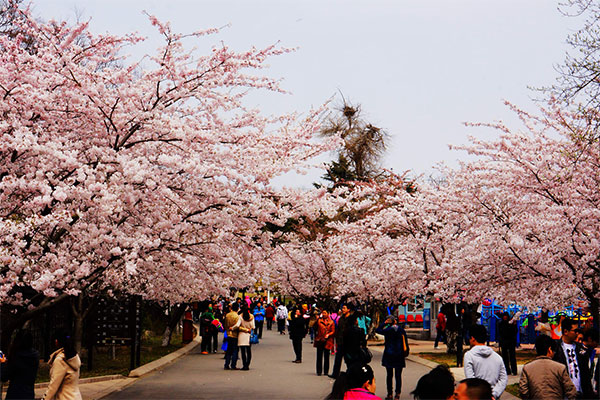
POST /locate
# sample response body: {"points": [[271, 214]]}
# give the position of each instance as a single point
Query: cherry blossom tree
{"points": [[149, 177], [530, 208]]}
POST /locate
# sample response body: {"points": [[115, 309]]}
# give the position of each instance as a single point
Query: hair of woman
{"points": [[355, 377]]}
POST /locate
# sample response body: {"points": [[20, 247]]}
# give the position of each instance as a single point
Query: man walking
{"points": [[231, 326], [574, 357], [483, 362], [544, 378], [282, 314], [507, 332], [259, 319], [340, 332]]}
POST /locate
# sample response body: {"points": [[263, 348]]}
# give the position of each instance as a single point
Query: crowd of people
{"points": [[565, 368]]}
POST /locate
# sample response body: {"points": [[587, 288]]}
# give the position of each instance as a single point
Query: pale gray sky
{"points": [[419, 68]]}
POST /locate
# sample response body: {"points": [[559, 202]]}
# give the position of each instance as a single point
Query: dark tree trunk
{"points": [[176, 315]]}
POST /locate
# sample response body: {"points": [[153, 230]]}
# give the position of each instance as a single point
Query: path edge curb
{"points": [[169, 358]]}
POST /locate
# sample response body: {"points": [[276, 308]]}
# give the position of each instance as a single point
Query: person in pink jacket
{"points": [[357, 383]]}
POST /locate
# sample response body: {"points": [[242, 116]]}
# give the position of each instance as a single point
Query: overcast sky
{"points": [[419, 69]]}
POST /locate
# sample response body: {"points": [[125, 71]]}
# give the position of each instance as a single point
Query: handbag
{"points": [[253, 338], [365, 355]]}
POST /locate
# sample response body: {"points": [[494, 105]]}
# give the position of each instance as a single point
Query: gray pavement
{"points": [[272, 375]]}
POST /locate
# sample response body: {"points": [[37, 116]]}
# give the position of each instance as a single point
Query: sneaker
{"points": [[244, 369], [436, 347], [389, 397], [297, 361], [234, 368], [204, 352], [226, 368]]}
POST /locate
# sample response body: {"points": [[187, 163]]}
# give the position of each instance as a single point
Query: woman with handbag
{"points": [[246, 324], [394, 355], [355, 343], [323, 342]]}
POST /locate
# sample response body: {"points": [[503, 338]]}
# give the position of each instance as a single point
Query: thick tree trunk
{"points": [[80, 312], [176, 315]]}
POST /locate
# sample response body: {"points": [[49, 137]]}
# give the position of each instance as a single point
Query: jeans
{"points": [[269, 324], [215, 340], [322, 359], [206, 339], [281, 325], [246, 356], [259, 328], [510, 359], [297, 344], [441, 336], [337, 362], [231, 355], [390, 378]]}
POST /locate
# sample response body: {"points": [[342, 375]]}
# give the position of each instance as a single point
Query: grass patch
{"points": [[523, 357], [104, 364], [513, 389]]}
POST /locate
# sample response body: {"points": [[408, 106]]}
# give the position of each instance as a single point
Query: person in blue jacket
{"points": [[259, 319], [394, 355]]}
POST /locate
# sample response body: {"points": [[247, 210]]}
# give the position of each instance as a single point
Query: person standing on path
{"points": [[323, 342], [282, 314], [259, 319], [245, 326], [231, 327], [269, 315], [440, 328], [483, 362], [354, 340], [394, 355], [340, 331], [574, 357], [21, 367], [207, 329], [64, 371], [297, 333], [507, 340], [544, 378]]}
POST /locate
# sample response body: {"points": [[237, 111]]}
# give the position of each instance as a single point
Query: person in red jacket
{"points": [[440, 328], [325, 330], [269, 316]]}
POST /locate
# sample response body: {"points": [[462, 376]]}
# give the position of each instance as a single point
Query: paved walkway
{"points": [[272, 375]]}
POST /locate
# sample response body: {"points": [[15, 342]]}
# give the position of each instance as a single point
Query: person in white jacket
{"points": [[483, 362], [245, 326]]}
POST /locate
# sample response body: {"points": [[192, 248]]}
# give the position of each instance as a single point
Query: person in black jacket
{"points": [[297, 330], [394, 354], [507, 339], [354, 339], [574, 356], [21, 367]]}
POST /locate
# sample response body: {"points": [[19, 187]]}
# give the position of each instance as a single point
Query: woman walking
{"points": [[297, 333], [64, 371], [324, 331], [246, 324], [394, 354]]}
